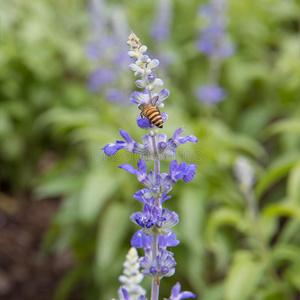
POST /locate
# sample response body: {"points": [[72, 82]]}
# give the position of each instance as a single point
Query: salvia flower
{"points": [[161, 27], [131, 278], [214, 39], [161, 183], [177, 295], [106, 51], [141, 240], [244, 173], [211, 93], [214, 43], [159, 266], [155, 221]]}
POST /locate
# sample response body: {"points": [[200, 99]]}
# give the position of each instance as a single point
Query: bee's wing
{"points": [[153, 100]]}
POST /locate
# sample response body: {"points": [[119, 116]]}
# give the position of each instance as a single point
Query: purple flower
{"points": [[100, 78], [178, 171], [211, 93], [177, 295], [213, 40], [154, 220], [163, 18], [160, 266], [169, 240], [161, 183], [130, 145], [141, 240], [115, 95], [139, 97]]}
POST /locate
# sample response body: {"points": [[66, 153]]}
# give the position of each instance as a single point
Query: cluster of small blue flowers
{"points": [[155, 235], [106, 50], [161, 27], [214, 43]]}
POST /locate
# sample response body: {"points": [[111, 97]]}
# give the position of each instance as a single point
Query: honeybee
{"points": [[151, 112]]}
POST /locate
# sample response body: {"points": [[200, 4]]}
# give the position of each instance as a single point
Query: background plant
{"points": [[46, 109]]}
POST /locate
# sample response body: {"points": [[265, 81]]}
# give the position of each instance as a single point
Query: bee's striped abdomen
{"points": [[154, 116]]}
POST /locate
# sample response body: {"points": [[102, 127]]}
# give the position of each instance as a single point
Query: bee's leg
{"points": [[142, 116], [158, 110]]}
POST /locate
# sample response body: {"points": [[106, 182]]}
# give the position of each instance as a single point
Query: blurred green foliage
{"points": [[52, 130]]}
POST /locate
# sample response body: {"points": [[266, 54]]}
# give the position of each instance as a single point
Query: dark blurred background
{"points": [[65, 89]]}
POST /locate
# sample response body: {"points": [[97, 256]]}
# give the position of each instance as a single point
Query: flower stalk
{"points": [[155, 222]]}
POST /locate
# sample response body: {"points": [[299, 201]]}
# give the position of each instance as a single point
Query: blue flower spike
{"points": [[155, 221]]}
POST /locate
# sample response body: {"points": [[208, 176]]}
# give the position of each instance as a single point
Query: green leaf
{"points": [[112, 230], [219, 218], [293, 185], [97, 188], [285, 252], [284, 208], [278, 170], [68, 282], [292, 274], [290, 126], [192, 213], [243, 278]]}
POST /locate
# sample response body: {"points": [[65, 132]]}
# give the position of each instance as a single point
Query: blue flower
{"points": [[154, 220], [163, 18], [144, 196], [166, 148], [177, 295], [161, 183], [130, 145], [139, 97], [141, 240], [214, 40], [169, 240], [101, 78], [211, 93], [160, 266]]}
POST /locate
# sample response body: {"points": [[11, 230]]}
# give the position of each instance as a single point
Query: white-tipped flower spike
{"points": [[244, 173], [131, 277], [144, 65]]}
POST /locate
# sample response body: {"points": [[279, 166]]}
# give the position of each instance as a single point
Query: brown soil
{"points": [[25, 272]]}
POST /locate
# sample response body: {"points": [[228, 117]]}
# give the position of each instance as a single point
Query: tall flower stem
{"points": [[155, 283], [214, 69]]}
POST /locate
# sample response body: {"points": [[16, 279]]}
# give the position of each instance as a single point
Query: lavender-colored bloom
{"points": [[177, 295], [146, 150], [145, 196], [155, 220], [161, 183], [106, 50], [115, 95], [100, 78], [213, 40], [211, 93], [129, 144], [141, 240], [163, 18], [160, 266]]}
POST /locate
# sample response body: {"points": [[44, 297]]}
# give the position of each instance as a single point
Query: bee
{"points": [[151, 112]]}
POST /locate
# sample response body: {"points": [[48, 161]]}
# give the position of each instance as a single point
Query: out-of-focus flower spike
{"points": [[131, 278]]}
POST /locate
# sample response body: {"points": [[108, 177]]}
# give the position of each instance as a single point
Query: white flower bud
{"points": [[132, 54], [140, 83], [134, 67], [153, 64], [158, 82], [143, 49]]}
